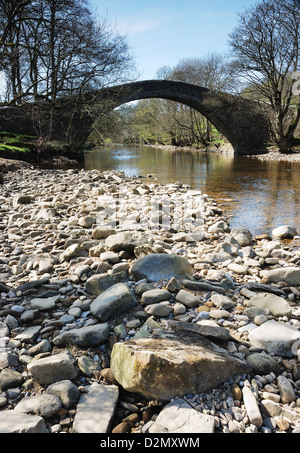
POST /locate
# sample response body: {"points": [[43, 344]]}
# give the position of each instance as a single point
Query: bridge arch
{"points": [[241, 121]]}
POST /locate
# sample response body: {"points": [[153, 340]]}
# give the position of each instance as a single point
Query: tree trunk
{"points": [[280, 137], [208, 127], [293, 126]]}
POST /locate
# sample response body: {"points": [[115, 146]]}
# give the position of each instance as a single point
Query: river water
{"points": [[258, 195]]}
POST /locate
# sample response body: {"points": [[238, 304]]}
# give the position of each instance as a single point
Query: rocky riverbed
{"points": [[132, 307], [276, 155]]}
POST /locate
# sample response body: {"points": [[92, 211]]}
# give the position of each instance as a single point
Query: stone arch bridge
{"points": [[241, 121]]}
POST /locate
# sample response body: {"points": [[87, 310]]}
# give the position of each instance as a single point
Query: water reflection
{"points": [[259, 195]]}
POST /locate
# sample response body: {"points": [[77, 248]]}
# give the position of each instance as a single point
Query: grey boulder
{"points": [[160, 266], [51, 369], [275, 337], [66, 391], [277, 305], [284, 232], [84, 337], [44, 405], [124, 241], [115, 300], [98, 283]]}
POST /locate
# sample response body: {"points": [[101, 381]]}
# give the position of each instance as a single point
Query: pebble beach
{"points": [[128, 306]]}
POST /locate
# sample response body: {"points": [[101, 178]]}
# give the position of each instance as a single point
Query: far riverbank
{"points": [[273, 154]]}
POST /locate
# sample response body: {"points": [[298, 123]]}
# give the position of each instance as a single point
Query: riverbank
{"points": [[108, 303], [36, 151], [272, 154], [275, 155], [225, 148]]}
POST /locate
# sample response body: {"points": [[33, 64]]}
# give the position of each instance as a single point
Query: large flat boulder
{"points": [[173, 364], [159, 266]]}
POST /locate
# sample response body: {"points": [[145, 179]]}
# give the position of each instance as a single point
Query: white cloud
{"points": [[132, 25], [144, 25]]}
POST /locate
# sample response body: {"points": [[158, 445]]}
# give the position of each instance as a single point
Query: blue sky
{"points": [[162, 32]]}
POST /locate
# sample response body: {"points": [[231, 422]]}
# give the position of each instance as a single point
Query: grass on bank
{"points": [[15, 143]]}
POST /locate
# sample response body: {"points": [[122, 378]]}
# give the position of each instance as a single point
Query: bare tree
{"points": [[51, 48], [266, 46], [213, 71], [11, 16], [52, 52]]}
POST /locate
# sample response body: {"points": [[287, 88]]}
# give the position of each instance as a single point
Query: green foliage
{"points": [[15, 143], [160, 122]]}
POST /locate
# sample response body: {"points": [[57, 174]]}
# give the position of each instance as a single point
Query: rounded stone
{"points": [[159, 266], [260, 319], [219, 314], [236, 392], [287, 392], [282, 424], [10, 379], [3, 401], [88, 366], [161, 309], [155, 295], [284, 232], [44, 405], [84, 337], [66, 391], [51, 369]]}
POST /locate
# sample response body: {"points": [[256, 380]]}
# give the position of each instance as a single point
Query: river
{"points": [[258, 195]]}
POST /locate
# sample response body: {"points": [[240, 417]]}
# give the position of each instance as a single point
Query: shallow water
{"points": [[258, 195]]}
